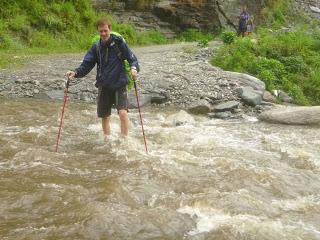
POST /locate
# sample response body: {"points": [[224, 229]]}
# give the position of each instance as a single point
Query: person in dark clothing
{"points": [[111, 79], [243, 19]]}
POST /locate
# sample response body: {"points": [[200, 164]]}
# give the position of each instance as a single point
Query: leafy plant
{"points": [[228, 37], [195, 35], [289, 61]]}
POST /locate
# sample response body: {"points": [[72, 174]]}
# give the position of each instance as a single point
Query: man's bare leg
{"points": [[106, 127], [124, 122]]}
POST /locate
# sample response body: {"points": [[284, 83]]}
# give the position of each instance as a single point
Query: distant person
{"points": [[243, 19], [250, 26], [111, 80]]}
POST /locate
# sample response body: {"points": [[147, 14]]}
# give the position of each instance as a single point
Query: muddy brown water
{"points": [[212, 179]]}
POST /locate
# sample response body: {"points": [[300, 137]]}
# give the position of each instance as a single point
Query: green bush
{"points": [[195, 35], [268, 77], [151, 37], [203, 43], [18, 22], [263, 63], [283, 60], [237, 56], [311, 86], [294, 64], [228, 37]]}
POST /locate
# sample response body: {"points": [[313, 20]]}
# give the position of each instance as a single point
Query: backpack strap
{"points": [[117, 41], [99, 57]]}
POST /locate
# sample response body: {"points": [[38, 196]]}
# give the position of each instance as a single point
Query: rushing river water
{"points": [[211, 179]]}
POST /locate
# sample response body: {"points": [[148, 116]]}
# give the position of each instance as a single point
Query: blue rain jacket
{"points": [[110, 67]]}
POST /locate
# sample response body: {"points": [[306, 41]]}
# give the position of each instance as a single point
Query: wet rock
{"points": [[226, 106], [19, 81], [144, 99], [315, 9], [246, 80], [220, 115], [268, 97], [180, 118], [285, 97], [293, 115], [250, 96], [158, 99], [201, 106]]}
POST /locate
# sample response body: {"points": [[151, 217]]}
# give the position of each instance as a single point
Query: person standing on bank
{"points": [[243, 19], [111, 79]]}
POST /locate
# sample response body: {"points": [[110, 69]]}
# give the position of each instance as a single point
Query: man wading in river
{"points": [[111, 80]]}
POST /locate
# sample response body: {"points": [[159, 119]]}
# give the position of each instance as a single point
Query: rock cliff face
{"points": [[177, 15]]}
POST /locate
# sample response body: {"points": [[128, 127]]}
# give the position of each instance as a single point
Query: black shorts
{"points": [[108, 98]]}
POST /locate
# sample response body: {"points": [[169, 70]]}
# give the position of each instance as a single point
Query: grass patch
{"points": [[283, 60], [29, 27]]}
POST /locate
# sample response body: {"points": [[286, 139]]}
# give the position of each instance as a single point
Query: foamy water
{"points": [[206, 179]]}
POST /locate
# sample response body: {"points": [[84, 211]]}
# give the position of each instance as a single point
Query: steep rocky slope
{"points": [[172, 16]]}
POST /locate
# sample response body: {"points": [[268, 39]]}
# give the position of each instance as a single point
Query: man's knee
{"points": [[123, 114], [105, 119]]}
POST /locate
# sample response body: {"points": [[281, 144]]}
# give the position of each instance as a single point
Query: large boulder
{"points": [[250, 96], [246, 80], [293, 115]]}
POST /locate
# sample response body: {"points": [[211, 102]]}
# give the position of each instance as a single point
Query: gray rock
{"points": [[158, 99], [293, 115], [284, 97], [226, 106], [247, 80], [19, 81], [250, 96], [268, 97], [201, 106], [315, 9], [144, 100]]}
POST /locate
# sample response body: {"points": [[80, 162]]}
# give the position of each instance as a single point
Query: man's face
{"points": [[104, 32]]}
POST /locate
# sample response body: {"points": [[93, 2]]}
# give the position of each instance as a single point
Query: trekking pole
{"points": [[65, 98], [137, 97]]}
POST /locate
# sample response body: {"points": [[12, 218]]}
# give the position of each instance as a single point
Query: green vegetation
{"points": [[195, 35], [54, 26], [228, 37], [284, 58]]}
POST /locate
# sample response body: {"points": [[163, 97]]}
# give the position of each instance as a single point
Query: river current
{"points": [[208, 179]]}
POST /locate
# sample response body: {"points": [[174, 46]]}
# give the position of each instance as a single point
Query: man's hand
{"points": [[70, 74], [134, 73]]}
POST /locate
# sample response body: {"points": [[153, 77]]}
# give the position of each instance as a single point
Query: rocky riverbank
{"points": [[171, 75], [177, 74]]}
